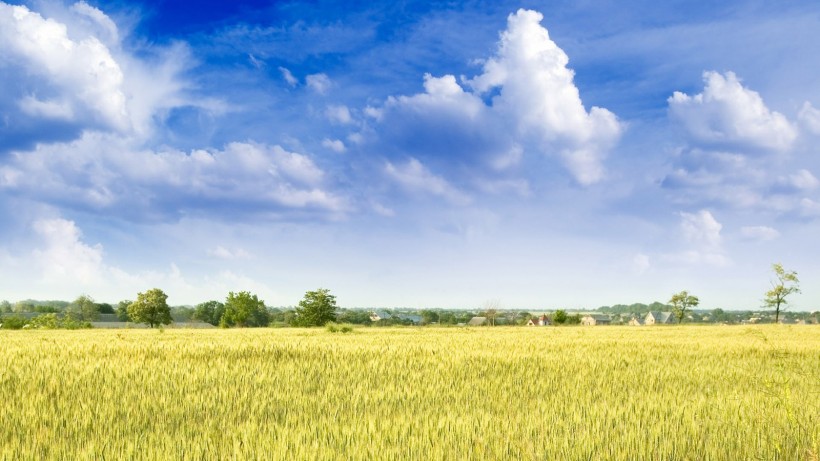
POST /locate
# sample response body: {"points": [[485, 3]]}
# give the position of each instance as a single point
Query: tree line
{"points": [[318, 307]]}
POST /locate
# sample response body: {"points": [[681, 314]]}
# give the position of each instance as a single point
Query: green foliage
{"points": [[356, 317], [209, 312], [122, 311], [574, 319], [316, 308], [5, 307], [13, 322], [245, 310], [150, 308], [334, 327], [786, 284], [105, 308], [83, 308], [559, 317], [681, 303], [45, 322]]}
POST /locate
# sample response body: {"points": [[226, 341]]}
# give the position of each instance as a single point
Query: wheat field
{"points": [[575, 393]]}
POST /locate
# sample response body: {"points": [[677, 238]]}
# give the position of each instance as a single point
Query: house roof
{"points": [[660, 317], [477, 321]]}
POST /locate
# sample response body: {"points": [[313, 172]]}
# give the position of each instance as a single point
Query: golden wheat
{"points": [[717, 393]]}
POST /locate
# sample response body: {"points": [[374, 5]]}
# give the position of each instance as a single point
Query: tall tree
{"points": [[151, 308], [681, 303], [245, 310], [316, 308], [122, 311], [209, 312], [786, 284], [83, 308]]}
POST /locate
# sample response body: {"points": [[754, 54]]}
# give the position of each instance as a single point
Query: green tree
{"points": [[428, 317], [786, 284], [209, 312], [316, 308], [83, 308], [150, 308], [105, 308], [5, 307], [682, 302], [245, 310], [122, 311], [559, 317]]}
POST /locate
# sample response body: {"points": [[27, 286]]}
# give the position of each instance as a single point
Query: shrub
{"points": [[13, 322]]}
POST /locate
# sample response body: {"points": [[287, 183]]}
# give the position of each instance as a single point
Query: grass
{"points": [[717, 393]]}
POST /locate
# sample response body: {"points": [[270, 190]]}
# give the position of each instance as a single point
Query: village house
{"points": [[375, 316], [541, 321], [596, 319], [659, 318], [636, 321], [477, 322]]}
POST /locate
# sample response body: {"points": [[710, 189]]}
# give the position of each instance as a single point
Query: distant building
{"points": [[596, 319], [659, 318], [636, 321], [541, 321], [375, 316], [477, 322]]}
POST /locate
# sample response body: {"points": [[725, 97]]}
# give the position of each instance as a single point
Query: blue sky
{"points": [[420, 154]]}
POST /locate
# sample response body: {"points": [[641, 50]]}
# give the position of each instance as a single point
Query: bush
{"points": [[334, 327], [13, 322], [45, 321]]}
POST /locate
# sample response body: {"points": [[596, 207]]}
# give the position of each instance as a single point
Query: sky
{"points": [[533, 154]]}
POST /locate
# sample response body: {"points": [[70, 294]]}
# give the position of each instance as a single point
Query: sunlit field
{"points": [[716, 393]]}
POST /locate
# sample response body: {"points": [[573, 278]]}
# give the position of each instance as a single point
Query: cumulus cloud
{"points": [[105, 173], [339, 114], [524, 102], [536, 89], [730, 116], [416, 177], [79, 77], [335, 145], [319, 83]]}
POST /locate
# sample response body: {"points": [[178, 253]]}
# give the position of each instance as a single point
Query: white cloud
{"points": [[84, 70], [536, 108], [728, 115], [415, 176], [221, 252], [701, 229], [339, 114], [334, 144], [102, 172], [111, 31], [759, 233], [79, 72], [809, 117], [319, 83], [803, 180], [46, 109], [65, 257], [701, 232], [537, 91], [288, 76]]}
